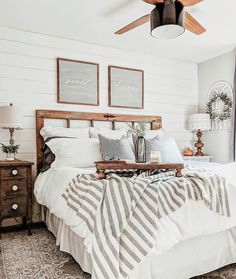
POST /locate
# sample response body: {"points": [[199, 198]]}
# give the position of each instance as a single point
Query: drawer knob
{"points": [[14, 172], [15, 206], [14, 188]]}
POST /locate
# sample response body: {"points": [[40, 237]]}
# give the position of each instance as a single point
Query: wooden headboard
{"points": [[41, 115]]}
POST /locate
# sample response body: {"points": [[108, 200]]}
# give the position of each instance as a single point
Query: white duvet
{"points": [[191, 220]]}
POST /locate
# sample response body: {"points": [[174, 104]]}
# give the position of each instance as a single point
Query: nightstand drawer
{"points": [[13, 187], [14, 207], [14, 172], [16, 191]]}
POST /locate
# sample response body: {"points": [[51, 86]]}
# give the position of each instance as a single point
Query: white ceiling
{"points": [[96, 20]]}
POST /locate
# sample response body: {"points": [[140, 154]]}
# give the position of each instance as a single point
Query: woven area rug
{"points": [[35, 257], [38, 257]]}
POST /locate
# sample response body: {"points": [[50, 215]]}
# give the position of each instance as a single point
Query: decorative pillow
{"points": [[79, 133], [167, 146], [80, 153], [108, 133], [116, 149], [48, 159], [169, 150], [48, 156], [150, 134], [150, 145]]}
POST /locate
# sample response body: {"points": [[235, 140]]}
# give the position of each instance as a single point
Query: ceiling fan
{"points": [[168, 19]]}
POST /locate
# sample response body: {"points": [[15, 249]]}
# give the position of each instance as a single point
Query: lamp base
{"points": [[199, 154], [199, 144], [11, 132]]}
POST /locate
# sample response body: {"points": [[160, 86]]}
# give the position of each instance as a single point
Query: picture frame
{"points": [[125, 87], [77, 82]]}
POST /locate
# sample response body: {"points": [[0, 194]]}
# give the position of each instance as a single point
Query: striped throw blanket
{"points": [[122, 213]]}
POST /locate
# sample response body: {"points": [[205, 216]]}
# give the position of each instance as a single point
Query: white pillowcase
{"points": [[79, 133], [118, 134], [108, 133], [78, 153], [150, 134], [170, 152]]}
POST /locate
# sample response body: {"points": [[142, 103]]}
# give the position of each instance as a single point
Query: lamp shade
{"points": [[11, 117], [199, 121]]}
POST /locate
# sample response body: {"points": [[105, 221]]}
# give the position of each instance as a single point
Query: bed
{"points": [[207, 240]]}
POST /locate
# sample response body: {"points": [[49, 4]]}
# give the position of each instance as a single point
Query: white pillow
{"points": [[79, 133], [80, 153], [170, 152], [150, 134], [108, 133]]}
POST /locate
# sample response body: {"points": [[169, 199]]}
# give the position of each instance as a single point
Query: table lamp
{"points": [[11, 118], [199, 122]]}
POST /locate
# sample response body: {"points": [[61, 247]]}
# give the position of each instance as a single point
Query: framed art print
{"points": [[77, 82], [126, 87]]}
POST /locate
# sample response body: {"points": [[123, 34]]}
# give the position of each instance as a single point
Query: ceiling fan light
{"points": [[167, 20], [169, 31]]}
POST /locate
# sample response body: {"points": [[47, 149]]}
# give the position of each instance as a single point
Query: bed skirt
{"points": [[187, 259]]}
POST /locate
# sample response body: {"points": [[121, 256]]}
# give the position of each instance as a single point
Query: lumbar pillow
{"points": [[80, 153], [79, 133], [116, 149]]}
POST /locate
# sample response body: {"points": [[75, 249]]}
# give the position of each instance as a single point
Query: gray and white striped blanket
{"points": [[122, 213]]}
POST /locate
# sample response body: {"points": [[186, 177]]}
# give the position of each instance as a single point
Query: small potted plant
{"points": [[10, 151]]}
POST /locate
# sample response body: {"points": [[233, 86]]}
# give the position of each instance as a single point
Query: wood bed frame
{"points": [[41, 115]]}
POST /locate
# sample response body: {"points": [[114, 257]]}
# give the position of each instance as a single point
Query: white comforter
{"points": [[192, 220]]}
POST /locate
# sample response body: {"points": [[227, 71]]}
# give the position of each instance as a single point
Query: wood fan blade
{"points": [[133, 24], [193, 25], [153, 2], [189, 3]]}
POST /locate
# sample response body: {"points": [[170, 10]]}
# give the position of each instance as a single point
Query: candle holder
{"points": [[155, 157]]}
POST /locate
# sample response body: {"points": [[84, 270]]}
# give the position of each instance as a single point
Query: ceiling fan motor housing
{"points": [[167, 20]]}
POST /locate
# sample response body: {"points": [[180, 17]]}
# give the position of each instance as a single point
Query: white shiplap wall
{"points": [[28, 79]]}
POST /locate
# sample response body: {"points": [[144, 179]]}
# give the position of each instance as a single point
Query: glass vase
{"points": [[140, 150]]}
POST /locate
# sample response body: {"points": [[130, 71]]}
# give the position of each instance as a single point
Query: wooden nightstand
{"points": [[16, 191], [197, 158]]}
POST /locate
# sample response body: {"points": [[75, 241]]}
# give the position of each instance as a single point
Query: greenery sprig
{"points": [[139, 130], [226, 114], [9, 148]]}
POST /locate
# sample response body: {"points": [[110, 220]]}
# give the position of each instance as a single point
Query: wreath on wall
{"points": [[226, 112]]}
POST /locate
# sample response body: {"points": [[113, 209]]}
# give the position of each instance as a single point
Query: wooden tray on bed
{"points": [[103, 166]]}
